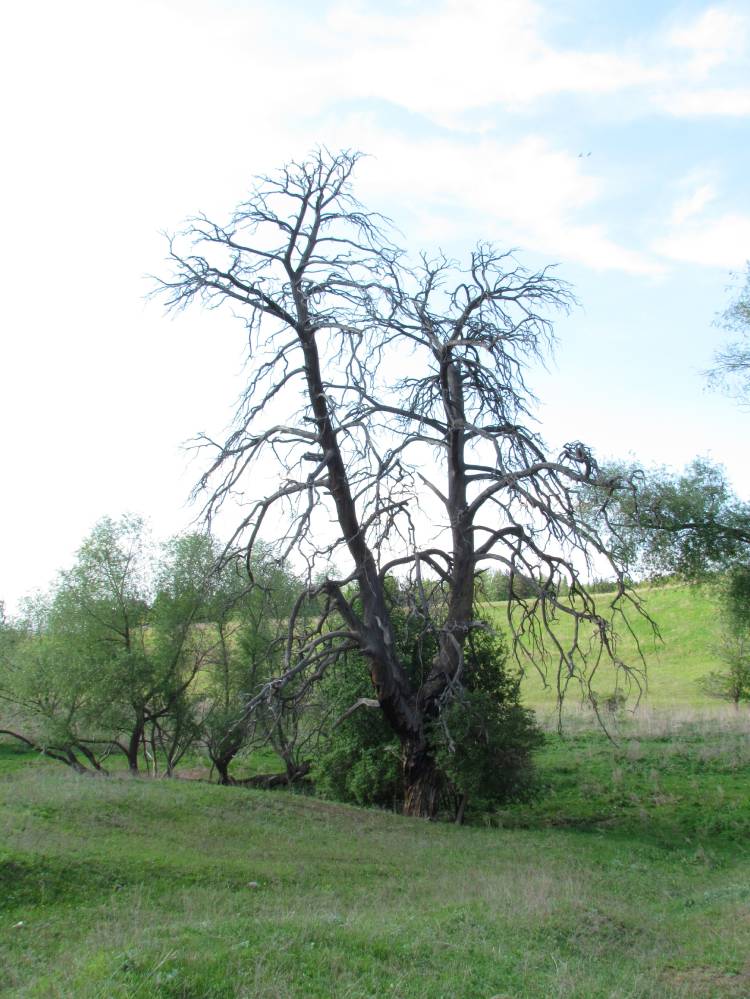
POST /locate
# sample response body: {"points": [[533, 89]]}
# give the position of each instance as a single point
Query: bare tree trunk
{"points": [[222, 767], [375, 628], [421, 782], [134, 747], [461, 810], [152, 740]]}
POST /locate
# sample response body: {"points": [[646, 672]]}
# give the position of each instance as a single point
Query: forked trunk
{"points": [[421, 782]]}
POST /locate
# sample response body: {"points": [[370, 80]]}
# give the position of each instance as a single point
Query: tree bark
{"points": [[461, 810], [421, 782], [133, 748], [222, 766], [375, 627]]}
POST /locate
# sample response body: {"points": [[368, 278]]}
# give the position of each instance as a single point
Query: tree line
{"points": [[139, 650], [147, 654]]}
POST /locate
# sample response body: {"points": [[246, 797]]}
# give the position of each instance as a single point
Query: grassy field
{"points": [[689, 626], [629, 876]]}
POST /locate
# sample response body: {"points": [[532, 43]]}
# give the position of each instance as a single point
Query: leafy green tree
{"points": [[133, 610], [733, 683], [48, 690], [498, 585], [690, 525], [107, 662], [250, 617], [693, 527], [180, 644]]}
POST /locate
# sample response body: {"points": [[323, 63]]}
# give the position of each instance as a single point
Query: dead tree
{"points": [[409, 453]]}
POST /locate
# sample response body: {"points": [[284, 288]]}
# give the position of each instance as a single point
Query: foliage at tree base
{"points": [[482, 740]]}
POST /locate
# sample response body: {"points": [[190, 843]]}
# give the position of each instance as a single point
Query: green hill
{"points": [[629, 878], [689, 627]]}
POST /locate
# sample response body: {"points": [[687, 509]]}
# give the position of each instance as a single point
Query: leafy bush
{"points": [[360, 762], [733, 684], [482, 740]]}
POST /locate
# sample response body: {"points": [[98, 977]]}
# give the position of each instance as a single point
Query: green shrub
{"points": [[482, 739], [360, 762]]}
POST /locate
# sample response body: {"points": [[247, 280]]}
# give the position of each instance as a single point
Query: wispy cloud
{"points": [[528, 194], [695, 232], [709, 66], [457, 56], [716, 36], [707, 102], [693, 203], [721, 241], [447, 59], [264, 88]]}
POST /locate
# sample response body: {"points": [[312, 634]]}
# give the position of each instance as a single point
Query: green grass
{"points": [[678, 784], [628, 877], [689, 625]]}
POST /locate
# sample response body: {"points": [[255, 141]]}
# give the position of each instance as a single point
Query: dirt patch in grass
{"points": [[709, 983]]}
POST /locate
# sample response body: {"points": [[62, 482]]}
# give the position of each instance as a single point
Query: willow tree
{"points": [[390, 400]]}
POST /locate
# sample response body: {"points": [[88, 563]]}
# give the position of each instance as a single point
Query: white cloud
{"points": [[692, 103], [712, 80], [713, 38], [527, 194], [693, 204], [698, 230], [722, 241], [461, 56], [458, 56], [217, 97]]}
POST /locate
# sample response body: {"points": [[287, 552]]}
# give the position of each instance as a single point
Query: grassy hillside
{"points": [[688, 621], [628, 878]]}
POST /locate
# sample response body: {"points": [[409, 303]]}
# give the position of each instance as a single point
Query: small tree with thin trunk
{"points": [[392, 403], [249, 624], [107, 662], [733, 683]]}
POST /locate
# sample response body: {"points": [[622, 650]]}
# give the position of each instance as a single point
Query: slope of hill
{"points": [[621, 884], [689, 625], [626, 877]]}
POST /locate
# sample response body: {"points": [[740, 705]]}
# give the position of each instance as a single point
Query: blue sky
{"points": [[479, 117]]}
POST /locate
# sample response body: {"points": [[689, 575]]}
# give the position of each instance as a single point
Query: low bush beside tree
{"points": [[484, 737]]}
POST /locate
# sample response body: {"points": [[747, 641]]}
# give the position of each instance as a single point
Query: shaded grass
{"points": [[629, 877], [682, 787]]}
